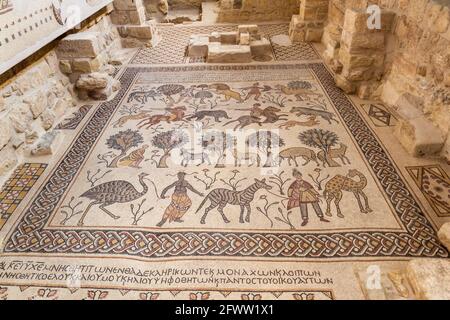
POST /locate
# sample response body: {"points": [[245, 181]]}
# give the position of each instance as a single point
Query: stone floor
{"points": [[144, 201]]}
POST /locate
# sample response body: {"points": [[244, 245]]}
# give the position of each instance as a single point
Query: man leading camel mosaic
{"points": [[302, 193]]}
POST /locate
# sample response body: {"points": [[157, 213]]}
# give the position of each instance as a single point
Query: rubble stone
{"points": [[429, 278], [444, 235]]}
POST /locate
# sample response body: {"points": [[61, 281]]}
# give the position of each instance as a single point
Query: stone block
{"points": [[20, 117], [261, 47], [429, 278], [229, 37], [347, 86], [229, 54], [297, 29], [5, 133], [93, 81], [354, 60], [314, 34], [48, 118], [80, 45], [444, 234], [135, 17], [140, 32], [37, 102], [106, 93], [127, 5], [355, 41], [45, 145], [409, 106], [419, 137], [198, 46], [248, 28], [8, 160], [244, 38], [357, 21], [86, 65], [65, 66]]}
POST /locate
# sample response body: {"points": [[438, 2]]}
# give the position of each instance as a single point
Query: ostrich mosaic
{"points": [[113, 192]]}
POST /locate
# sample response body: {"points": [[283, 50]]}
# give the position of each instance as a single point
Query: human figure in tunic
{"points": [[181, 202], [301, 194], [254, 91]]}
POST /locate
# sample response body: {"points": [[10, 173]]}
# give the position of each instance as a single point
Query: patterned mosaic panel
{"points": [[175, 39], [358, 172], [379, 115], [434, 183], [17, 187]]}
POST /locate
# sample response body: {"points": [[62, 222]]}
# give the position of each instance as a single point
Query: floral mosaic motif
{"points": [[64, 293], [17, 187]]}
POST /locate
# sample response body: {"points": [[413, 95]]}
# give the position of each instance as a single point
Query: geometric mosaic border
{"points": [[17, 187], [419, 240]]}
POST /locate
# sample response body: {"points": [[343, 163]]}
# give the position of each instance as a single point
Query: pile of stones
{"points": [[230, 47]]}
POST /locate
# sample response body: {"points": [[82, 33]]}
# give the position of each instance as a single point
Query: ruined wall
{"points": [[35, 95], [27, 25], [257, 10], [406, 64]]}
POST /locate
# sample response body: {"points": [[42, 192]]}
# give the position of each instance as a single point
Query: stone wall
{"points": [[256, 10], [406, 64], [36, 95]]}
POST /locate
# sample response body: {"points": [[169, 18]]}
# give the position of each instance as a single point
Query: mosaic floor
{"points": [[258, 181]]}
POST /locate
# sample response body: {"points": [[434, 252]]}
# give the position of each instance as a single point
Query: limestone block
{"points": [[419, 137], [129, 5], [297, 29], [444, 233], [140, 32], [354, 60], [248, 28], [8, 160], [430, 278], [229, 37], [244, 38], [20, 117], [214, 37], [314, 34], [45, 145], [409, 106], [198, 46], [93, 81], [65, 66], [86, 65], [261, 47], [37, 102], [2, 104], [18, 140], [31, 136], [48, 118], [105, 93], [135, 17], [80, 45], [347, 86], [229, 54], [356, 21], [313, 10], [356, 41], [5, 133]]}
